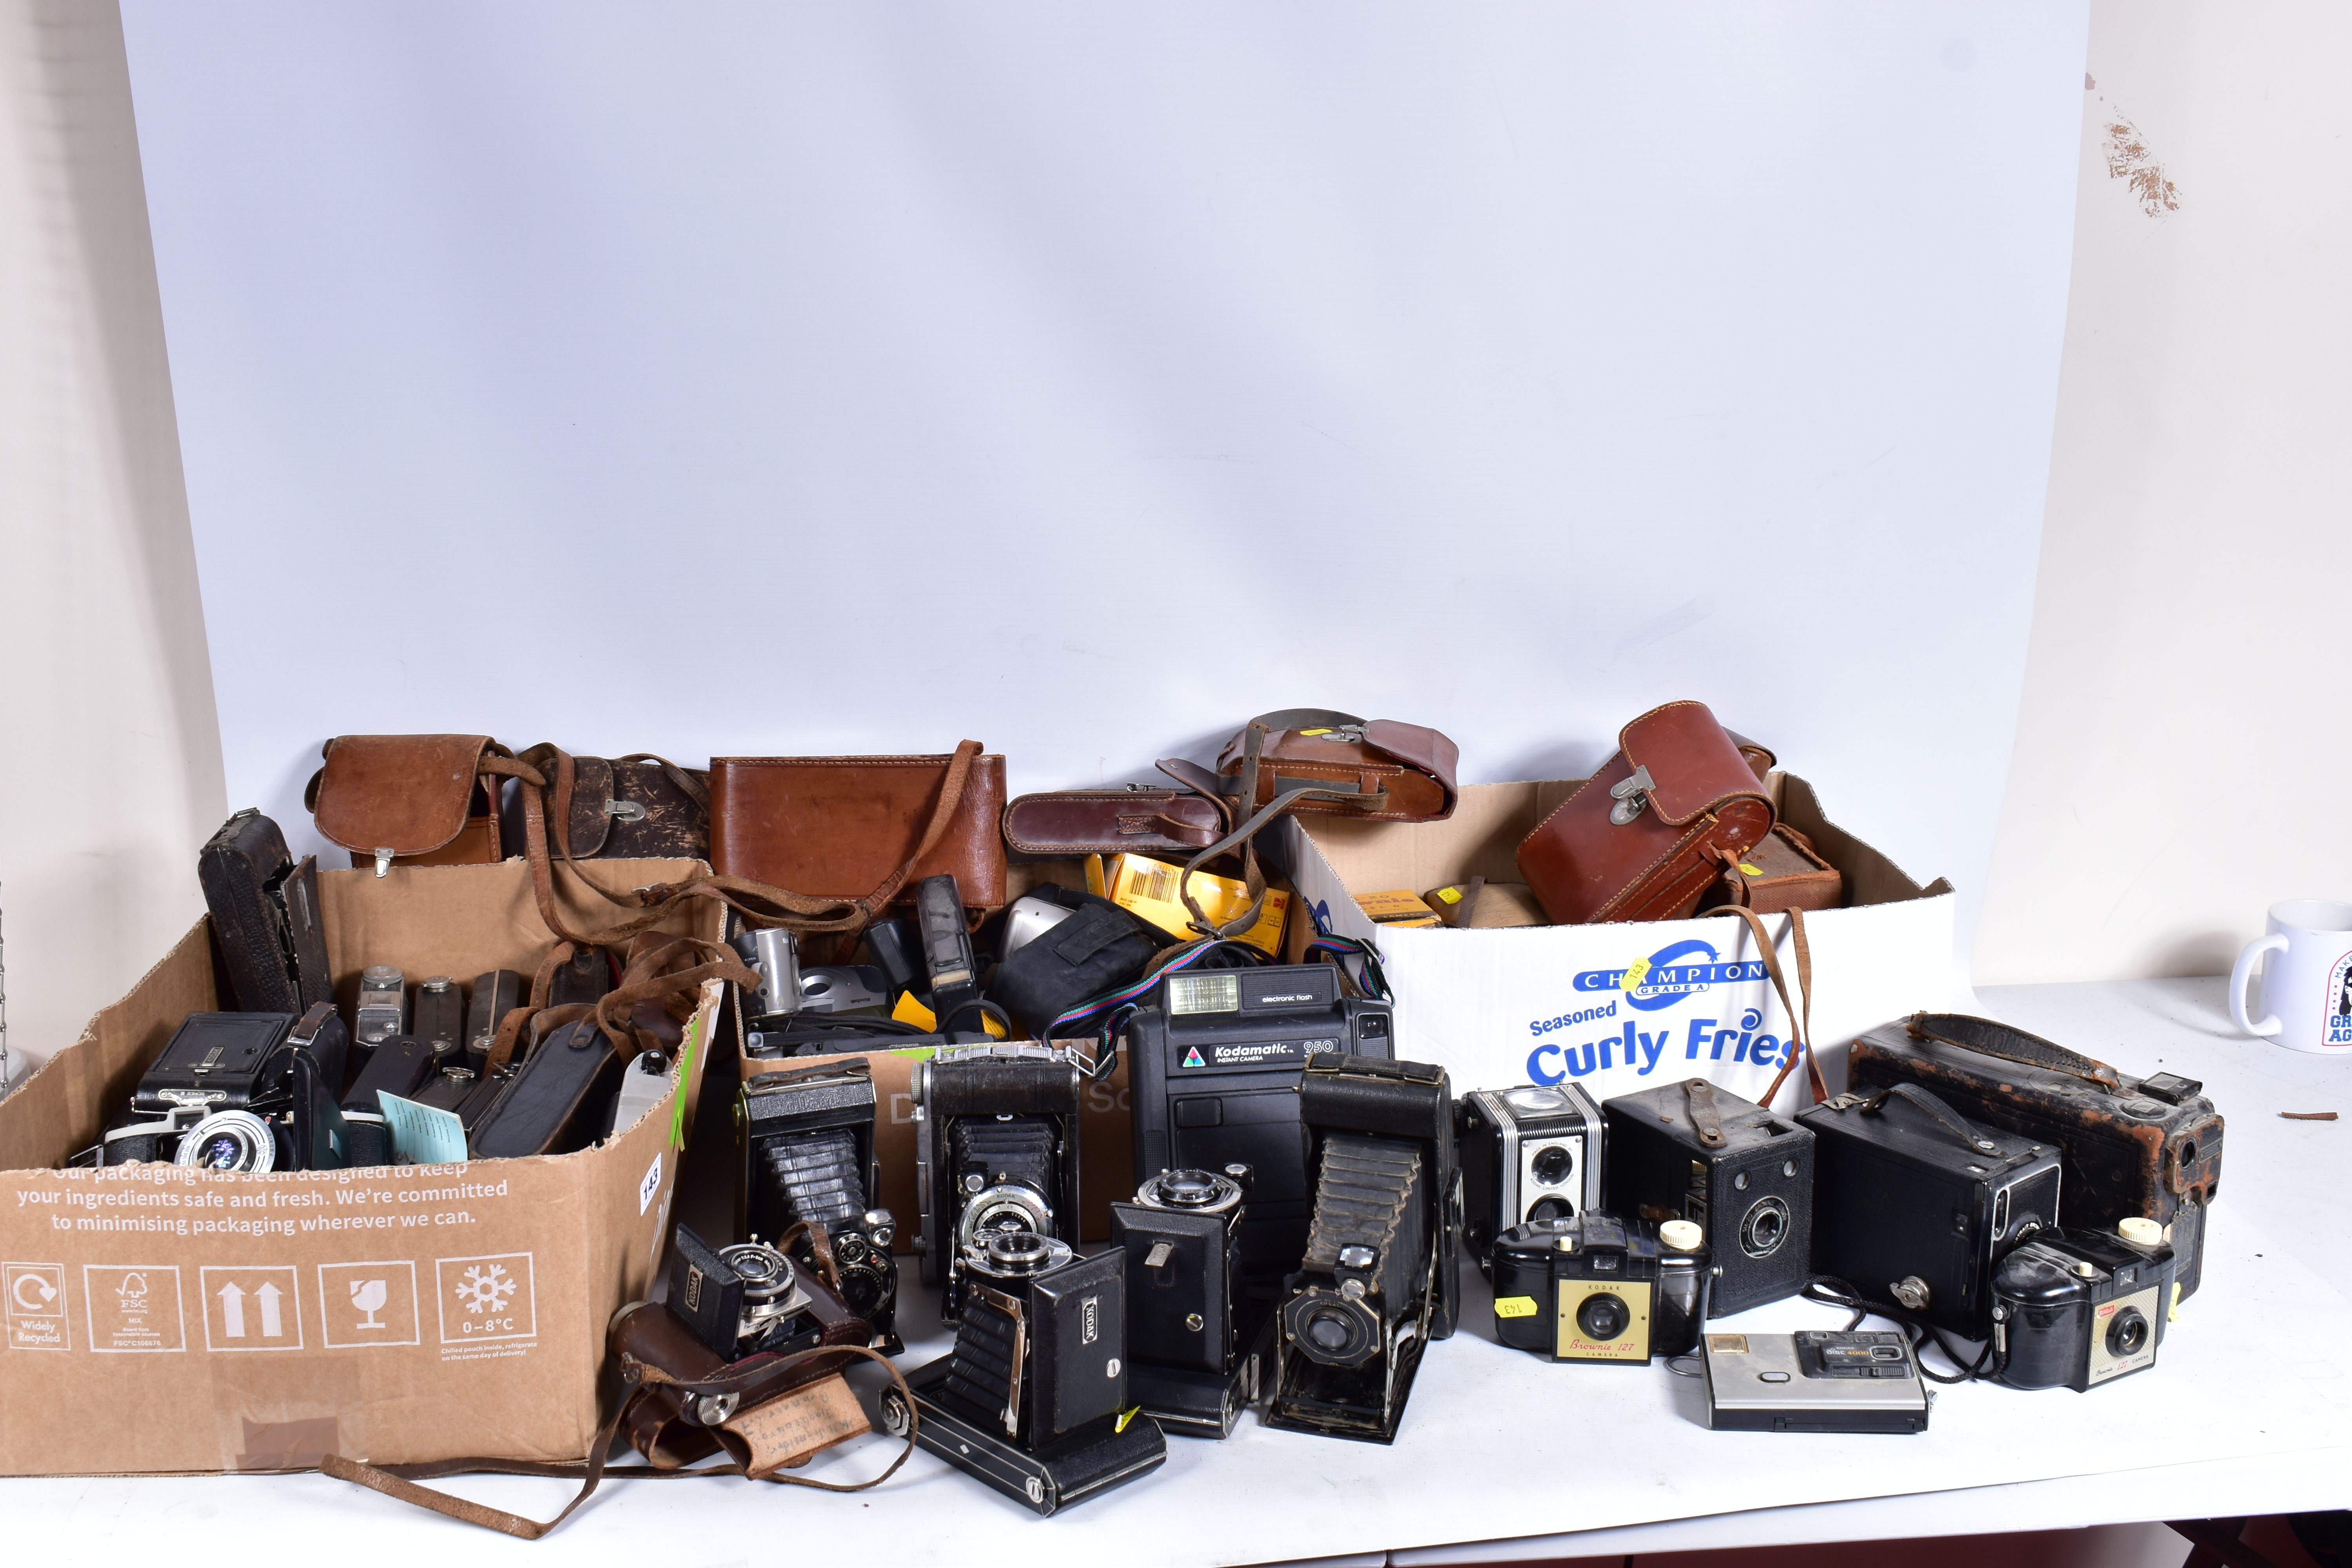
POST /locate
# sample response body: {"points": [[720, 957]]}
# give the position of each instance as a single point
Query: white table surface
{"points": [[1502, 1456]]}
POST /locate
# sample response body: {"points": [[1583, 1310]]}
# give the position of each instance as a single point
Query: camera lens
{"points": [[1329, 1330], [1550, 1208], [228, 1140], [2127, 1335], [1553, 1164], [1603, 1317], [1765, 1227]]}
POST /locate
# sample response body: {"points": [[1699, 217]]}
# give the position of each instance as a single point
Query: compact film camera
{"points": [[1743, 1175], [1033, 1398], [239, 1091], [809, 1160], [1915, 1200], [1196, 1343], [1528, 1154], [1213, 1066], [1377, 1282], [996, 1149], [1814, 1381], [1591, 1287], [2075, 1309], [808, 1011]]}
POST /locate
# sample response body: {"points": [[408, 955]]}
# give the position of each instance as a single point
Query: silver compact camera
{"points": [[1814, 1381]]}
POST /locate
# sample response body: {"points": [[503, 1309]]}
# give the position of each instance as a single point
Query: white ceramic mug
{"points": [[2307, 985]]}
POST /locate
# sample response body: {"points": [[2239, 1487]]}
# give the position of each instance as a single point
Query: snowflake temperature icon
{"points": [[485, 1289]]}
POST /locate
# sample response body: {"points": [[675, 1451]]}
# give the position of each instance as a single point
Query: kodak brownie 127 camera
{"points": [[1377, 1281], [1214, 1065], [1032, 1400], [808, 1145], [1588, 1288], [1528, 1154], [996, 1149], [1912, 1202], [2074, 1308], [1691, 1151]]}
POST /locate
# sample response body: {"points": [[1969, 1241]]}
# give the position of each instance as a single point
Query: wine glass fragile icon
{"points": [[368, 1295]]}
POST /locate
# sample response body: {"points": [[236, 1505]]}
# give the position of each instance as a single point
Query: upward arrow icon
{"points": [[233, 1311], [272, 1325]]}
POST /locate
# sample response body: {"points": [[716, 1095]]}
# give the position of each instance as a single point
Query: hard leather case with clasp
{"points": [[1138, 819], [1643, 837]]}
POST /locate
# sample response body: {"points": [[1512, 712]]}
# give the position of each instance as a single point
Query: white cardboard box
{"points": [[1540, 1004]]}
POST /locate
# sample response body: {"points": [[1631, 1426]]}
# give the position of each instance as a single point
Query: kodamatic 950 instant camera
{"points": [[1377, 1282]]}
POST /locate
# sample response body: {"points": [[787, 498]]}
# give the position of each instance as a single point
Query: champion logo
{"points": [[1679, 970], [1193, 1058]]}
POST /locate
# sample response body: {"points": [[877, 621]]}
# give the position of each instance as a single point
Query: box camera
{"points": [[1815, 1381], [1589, 1287], [239, 1091], [1377, 1281], [1213, 1066], [2075, 1309], [1914, 1203], [809, 1160], [1196, 1343], [996, 1149], [2131, 1147], [1034, 1399], [1691, 1151], [1528, 1154]]}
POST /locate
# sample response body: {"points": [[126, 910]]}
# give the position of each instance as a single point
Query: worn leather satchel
{"points": [[1644, 836], [1315, 761], [637, 807], [1782, 872], [413, 800], [861, 831], [1138, 819]]}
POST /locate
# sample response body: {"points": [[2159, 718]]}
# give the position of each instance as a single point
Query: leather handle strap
{"points": [[646, 983], [1801, 1026], [400, 1481], [1706, 1120], [1914, 1095], [1246, 835], [1986, 1037], [693, 788]]}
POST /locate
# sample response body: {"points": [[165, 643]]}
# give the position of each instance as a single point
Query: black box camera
{"points": [[1745, 1176], [1196, 1342], [1528, 1154]]}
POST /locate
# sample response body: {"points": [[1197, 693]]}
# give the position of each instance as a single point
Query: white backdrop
{"points": [[810, 378]]}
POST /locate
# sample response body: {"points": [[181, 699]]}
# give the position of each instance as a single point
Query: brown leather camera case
{"points": [[1782, 872], [1644, 837], [840, 827], [424, 798]]}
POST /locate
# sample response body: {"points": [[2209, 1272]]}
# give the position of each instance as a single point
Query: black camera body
{"points": [[240, 1091], [1034, 1399], [1745, 1176], [1528, 1154], [742, 1300], [809, 1160], [1213, 1066], [1914, 1204], [1591, 1287], [1378, 1281], [2075, 1309], [1196, 1342], [996, 1148]]}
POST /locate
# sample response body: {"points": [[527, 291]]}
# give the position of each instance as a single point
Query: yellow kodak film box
{"points": [[1398, 907], [1148, 890]]}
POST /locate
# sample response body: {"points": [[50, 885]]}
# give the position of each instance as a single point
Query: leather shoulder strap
{"points": [[1800, 1026]]}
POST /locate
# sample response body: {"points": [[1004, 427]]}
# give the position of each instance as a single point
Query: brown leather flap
{"points": [[839, 828], [591, 786], [1417, 746], [407, 794], [1695, 765], [1113, 821]]}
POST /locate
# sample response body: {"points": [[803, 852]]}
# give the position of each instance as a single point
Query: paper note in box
{"points": [[1149, 889]]}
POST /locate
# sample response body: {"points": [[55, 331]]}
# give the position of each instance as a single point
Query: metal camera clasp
{"points": [[1631, 796]]}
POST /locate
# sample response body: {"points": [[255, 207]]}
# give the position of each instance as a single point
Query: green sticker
{"points": [[692, 1043]]}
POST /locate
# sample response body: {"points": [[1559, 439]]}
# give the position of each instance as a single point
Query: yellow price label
{"points": [[1515, 1306], [1451, 895], [1636, 972]]}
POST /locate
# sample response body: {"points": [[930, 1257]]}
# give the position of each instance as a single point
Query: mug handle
{"points": [[2243, 975]]}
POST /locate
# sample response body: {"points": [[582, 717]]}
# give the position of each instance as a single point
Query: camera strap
{"points": [[1801, 1026], [641, 1380], [1287, 793]]}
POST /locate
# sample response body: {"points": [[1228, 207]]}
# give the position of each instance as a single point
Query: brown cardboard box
{"points": [[166, 1320]]}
